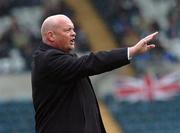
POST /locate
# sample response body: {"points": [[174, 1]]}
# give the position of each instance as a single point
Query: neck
{"points": [[49, 43]]}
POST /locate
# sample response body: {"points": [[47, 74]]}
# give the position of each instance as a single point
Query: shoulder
{"points": [[47, 52]]}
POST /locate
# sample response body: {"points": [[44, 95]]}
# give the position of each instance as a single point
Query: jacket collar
{"points": [[44, 46]]}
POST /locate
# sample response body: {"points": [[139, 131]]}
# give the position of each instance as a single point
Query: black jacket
{"points": [[63, 96]]}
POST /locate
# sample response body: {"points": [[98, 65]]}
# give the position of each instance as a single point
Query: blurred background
{"points": [[142, 97]]}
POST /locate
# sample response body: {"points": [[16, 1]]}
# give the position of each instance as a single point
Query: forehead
{"points": [[65, 22]]}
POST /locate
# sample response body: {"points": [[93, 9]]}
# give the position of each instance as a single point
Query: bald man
{"points": [[63, 96]]}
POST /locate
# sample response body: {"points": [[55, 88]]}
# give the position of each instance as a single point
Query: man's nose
{"points": [[73, 33]]}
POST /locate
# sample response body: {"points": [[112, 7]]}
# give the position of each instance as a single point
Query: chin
{"points": [[72, 46]]}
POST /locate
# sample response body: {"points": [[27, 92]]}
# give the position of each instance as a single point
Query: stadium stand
{"points": [[146, 117]]}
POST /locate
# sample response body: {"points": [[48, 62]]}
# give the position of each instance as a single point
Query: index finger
{"points": [[151, 36]]}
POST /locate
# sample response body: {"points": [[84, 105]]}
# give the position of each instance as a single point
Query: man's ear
{"points": [[51, 36]]}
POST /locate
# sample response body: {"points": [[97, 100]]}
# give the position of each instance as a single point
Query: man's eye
{"points": [[69, 29]]}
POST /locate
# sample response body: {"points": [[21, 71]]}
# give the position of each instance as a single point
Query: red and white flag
{"points": [[147, 88]]}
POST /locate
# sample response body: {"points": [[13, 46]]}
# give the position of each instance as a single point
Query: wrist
{"points": [[132, 51]]}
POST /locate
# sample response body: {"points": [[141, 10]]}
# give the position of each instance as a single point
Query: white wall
{"points": [[15, 87]]}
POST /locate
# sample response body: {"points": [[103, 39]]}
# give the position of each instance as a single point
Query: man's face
{"points": [[65, 35]]}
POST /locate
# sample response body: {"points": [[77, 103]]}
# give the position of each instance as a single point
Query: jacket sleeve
{"points": [[67, 67]]}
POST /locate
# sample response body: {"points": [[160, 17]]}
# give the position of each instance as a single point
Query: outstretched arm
{"points": [[143, 45]]}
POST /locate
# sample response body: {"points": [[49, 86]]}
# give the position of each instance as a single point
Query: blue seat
{"points": [[147, 117], [16, 117]]}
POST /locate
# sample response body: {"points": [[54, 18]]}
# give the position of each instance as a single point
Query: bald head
{"points": [[58, 31], [51, 23]]}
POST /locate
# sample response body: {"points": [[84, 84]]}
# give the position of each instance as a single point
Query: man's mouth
{"points": [[73, 40]]}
